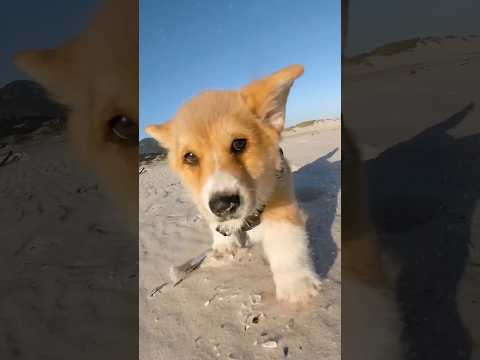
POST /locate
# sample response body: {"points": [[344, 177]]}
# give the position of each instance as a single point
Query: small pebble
{"points": [[270, 344], [221, 289], [209, 300], [255, 299]]}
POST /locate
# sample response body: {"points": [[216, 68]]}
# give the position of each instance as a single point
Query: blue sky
{"points": [[188, 46]]}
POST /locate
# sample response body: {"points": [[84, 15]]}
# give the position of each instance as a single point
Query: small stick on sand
{"points": [[158, 289], [5, 159], [180, 273]]}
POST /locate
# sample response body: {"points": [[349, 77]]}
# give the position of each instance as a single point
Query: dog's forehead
{"points": [[211, 112], [210, 106]]}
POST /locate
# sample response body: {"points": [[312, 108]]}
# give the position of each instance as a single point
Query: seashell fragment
{"points": [[272, 344], [255, 299]]}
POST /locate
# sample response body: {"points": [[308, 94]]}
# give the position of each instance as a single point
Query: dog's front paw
{"points": [[224, 251], [221, 255], [297, 288]]}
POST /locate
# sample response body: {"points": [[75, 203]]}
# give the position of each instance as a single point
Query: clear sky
{"points": [[188, 46]]}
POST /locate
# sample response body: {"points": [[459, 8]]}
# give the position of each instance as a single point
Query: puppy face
{"points": [[96, 76], [224, 146]]}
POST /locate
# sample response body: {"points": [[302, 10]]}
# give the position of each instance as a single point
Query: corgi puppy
{"points": [[96, 76], [225, 147]]}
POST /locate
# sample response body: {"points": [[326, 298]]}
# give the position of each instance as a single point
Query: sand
{"points": [[399, 97], [230, 312], [67, 279]]}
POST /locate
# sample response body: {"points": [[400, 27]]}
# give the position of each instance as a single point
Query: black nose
{"points": [[222, 204]]}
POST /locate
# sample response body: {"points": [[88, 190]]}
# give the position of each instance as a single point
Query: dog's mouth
{"points": [[238, 215], [228, 213], [227, 218], [246, 223]]}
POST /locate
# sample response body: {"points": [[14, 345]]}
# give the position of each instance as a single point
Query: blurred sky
{"points": [[189, 46], [33, 24], [377, 22]]}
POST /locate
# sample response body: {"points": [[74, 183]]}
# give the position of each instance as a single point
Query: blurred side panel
{"points": [[69, 180], [411, 180]]}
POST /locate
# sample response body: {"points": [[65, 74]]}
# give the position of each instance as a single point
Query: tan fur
{"points": [[267, 97], [96, 76], [283, 204], [284, 211], [206, 126]]}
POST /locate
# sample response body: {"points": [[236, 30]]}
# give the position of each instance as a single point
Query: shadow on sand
{"points": [[317, 187], [423, 193]]}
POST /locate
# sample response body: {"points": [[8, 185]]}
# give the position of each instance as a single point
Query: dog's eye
{"points": [[124, 130], [190, 159], [238, 145]]}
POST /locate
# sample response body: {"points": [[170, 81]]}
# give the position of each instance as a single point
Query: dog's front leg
{"points": [[286, 248], [222, 244]]}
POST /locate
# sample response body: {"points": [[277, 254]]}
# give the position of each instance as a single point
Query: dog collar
{"points": [[254, 219]]}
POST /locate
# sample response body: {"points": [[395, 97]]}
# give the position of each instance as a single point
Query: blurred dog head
{"points": [[96, 76]]}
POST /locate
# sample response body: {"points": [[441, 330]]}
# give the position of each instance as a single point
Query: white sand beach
{"points": [[230, 312]]}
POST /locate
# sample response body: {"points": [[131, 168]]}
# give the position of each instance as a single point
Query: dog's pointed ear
{"points": [[267, 97], [51, 68], [162, 133]]}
